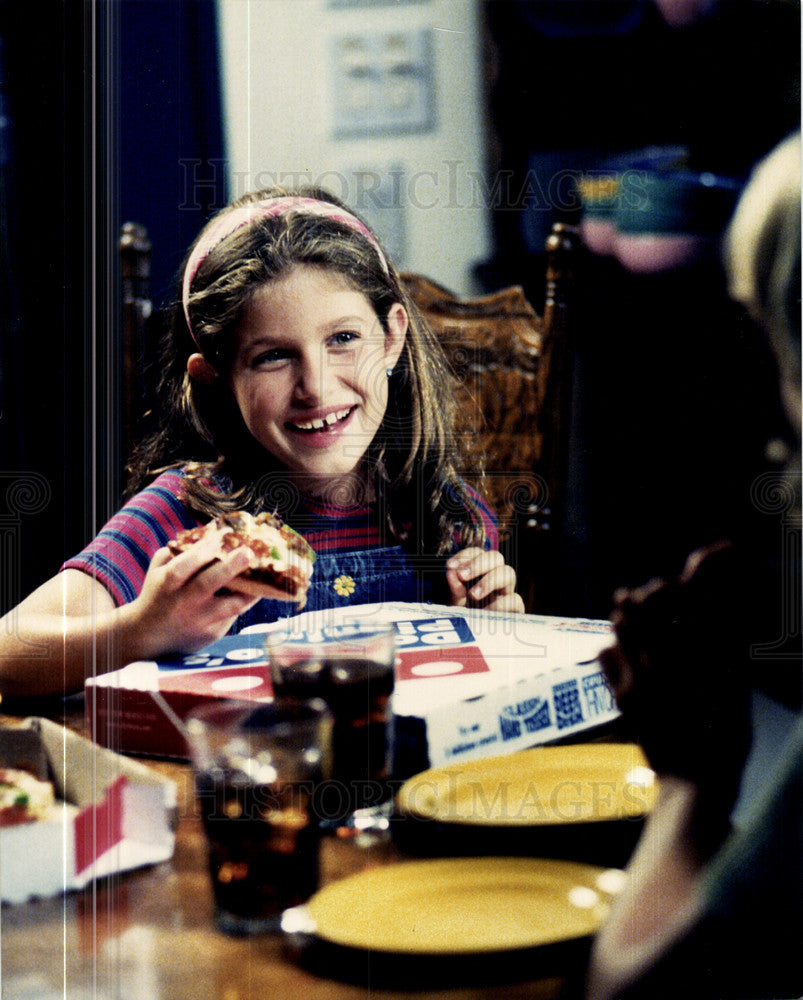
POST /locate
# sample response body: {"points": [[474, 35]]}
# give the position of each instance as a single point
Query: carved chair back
{"points": [[512, 383]]}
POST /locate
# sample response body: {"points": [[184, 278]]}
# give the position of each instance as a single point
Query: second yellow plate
{"points": [[545, 786]]}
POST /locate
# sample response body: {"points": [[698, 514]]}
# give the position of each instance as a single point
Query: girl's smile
{"points": [[320, 429], [309, 372]]}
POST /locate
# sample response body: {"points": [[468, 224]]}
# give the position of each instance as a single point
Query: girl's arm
{"points": [[69, 628], [482, 579]]}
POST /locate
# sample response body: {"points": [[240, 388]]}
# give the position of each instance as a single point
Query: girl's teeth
{"points": [[318, 425]]}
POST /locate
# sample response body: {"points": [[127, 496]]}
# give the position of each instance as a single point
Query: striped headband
{"points": [[254, 211]]}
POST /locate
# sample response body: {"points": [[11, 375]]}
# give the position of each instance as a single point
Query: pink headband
{"points": [[252, 212]]}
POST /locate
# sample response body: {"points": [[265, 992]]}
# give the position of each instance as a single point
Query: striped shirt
{"points": [[120, 554]]}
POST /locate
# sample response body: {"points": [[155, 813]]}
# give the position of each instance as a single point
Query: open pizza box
{"points": [[468, 684], [111, 814]]}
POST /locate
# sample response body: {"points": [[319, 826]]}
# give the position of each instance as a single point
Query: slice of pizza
{"points": [[23, 798], [282, 561]]}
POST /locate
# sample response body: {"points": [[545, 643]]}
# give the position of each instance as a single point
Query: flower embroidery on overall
{"points": [[344, 586]]}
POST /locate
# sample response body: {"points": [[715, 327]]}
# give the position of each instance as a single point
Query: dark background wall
{"points": [[110, 112], [675, 391]]}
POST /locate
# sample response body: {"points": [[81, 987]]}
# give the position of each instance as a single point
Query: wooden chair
{"points": [[513, 393], [512, 384], [135, 275]]}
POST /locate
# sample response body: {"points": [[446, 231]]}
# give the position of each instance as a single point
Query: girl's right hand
{"points": [[184, 604]]}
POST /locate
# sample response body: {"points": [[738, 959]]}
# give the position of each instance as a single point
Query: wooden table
{"points": [[149, 935]]}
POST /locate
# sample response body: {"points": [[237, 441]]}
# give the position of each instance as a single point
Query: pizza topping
{"points": [[23, 798]]}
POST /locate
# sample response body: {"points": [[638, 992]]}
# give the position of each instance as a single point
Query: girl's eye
{"points": [[343, 337], [273, 356]]}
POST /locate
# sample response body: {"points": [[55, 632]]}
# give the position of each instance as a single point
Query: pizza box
{"points": [[469, 683], [111, 814]]}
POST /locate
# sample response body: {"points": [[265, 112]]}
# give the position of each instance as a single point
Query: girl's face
{"points": [[310, 372]]}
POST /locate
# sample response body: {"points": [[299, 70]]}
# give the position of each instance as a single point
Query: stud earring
{"points": [[388, 372]]}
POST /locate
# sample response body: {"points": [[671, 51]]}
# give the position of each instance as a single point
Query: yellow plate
{"points": [[465, 906], [545, 786]]}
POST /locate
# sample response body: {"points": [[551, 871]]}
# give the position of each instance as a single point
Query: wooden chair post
{"points": [[556, 369], [135, 271], [544, 521]]}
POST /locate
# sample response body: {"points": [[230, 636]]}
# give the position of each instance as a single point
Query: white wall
{"points": [[278, 99]]}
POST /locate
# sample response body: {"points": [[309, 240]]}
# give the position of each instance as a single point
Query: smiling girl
{"points": [[298, 378]]}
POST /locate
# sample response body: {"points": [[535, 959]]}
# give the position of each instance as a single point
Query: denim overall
{"points": [[361, 576]]}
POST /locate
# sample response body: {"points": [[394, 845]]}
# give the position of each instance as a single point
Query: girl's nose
{"points": [[310, 378]]}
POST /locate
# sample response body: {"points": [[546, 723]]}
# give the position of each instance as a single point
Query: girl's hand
{"points": [[481, 579], [183, 604]]}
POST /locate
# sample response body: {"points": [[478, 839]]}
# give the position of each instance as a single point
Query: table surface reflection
{"points": [[149, 933]]}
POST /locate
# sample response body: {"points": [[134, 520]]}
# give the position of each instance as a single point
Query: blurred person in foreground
{"points": [[713, 902]]}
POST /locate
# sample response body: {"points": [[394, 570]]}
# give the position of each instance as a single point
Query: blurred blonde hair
{"points": [[762, 258]]}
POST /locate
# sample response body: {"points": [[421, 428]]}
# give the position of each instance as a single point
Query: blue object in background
{"points": [[109, 107], [582, 18], [171, 158]]}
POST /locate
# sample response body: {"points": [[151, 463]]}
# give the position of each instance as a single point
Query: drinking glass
{"points": [[257, 771], [351, 667]]}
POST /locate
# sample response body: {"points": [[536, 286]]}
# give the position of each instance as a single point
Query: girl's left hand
{"points": [[479, 578]]}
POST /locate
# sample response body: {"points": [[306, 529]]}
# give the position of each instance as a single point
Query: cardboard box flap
{"points": [[85, 771], [21, 747]]}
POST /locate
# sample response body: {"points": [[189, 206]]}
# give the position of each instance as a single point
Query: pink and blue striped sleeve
{"points": [[119, 555]]}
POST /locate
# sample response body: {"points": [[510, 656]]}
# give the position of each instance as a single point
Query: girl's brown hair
{"points": [[413, 455]]}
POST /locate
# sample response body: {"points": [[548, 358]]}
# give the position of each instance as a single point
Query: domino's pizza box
{"points": [[469, 683], [110, 814]]}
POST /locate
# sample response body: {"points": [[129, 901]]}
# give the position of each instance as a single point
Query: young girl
{"points": [[297, 378]]}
